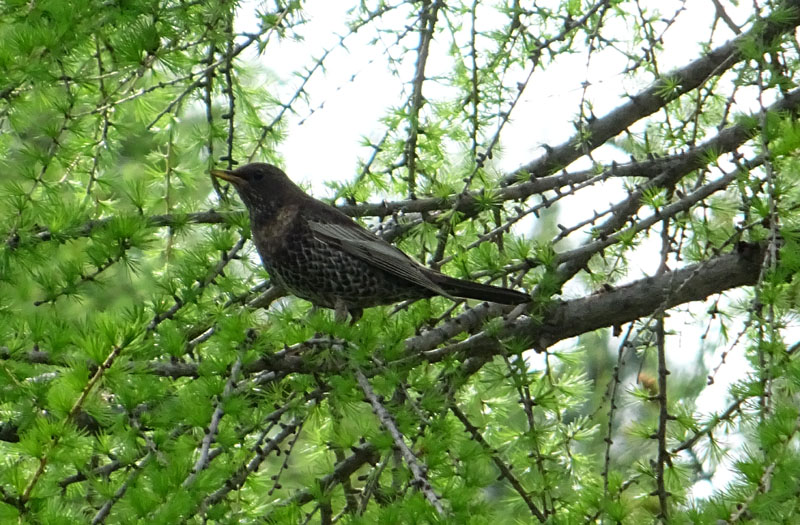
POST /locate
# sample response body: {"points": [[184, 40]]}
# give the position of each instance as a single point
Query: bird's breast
{"points": [[272, 232]]}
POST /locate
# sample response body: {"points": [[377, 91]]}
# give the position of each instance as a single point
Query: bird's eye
{"points": [[258, 176]]}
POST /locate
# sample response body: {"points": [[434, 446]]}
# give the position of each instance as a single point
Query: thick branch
{"points": [[655, 97], [624, 304]]}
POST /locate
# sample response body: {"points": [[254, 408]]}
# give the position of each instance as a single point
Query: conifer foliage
{"points": [[151, 372]]}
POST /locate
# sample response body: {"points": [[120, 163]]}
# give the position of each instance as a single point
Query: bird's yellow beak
{"points": [[228, 176]]}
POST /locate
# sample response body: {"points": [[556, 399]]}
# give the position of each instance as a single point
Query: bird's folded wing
{"points": [[375, 251]]}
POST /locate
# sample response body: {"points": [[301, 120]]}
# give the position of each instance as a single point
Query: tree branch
{"points": [[417, 470], [646, 102]]}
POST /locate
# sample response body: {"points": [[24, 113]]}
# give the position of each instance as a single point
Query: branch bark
{"points": [[655, 97]]}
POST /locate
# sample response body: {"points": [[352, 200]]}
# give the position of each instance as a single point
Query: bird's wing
{"points": [[375, 251]]}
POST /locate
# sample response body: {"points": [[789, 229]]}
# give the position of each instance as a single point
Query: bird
{"points": [[318, 253]]}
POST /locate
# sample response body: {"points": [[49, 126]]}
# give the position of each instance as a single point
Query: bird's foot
{"points": [[341, 311]]}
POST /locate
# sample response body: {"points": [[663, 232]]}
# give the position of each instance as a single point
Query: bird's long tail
{"points": [[482, 292]]}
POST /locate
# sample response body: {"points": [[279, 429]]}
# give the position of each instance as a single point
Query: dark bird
{"points": [[320, 254]]}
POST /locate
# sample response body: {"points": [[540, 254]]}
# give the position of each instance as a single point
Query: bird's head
{"points": [[262, 187]]}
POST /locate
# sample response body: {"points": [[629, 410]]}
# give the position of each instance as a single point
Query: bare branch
{"points": [[418, 470]]}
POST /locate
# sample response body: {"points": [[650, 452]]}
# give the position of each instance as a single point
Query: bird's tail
{"points": [[482, 292]]}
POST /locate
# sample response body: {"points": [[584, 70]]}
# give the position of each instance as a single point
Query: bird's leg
{"points": [[340, 311], [355, 315]]}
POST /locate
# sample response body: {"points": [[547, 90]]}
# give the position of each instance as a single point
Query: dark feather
{"points": [[360, 243], [482, 292], [368, 247]]}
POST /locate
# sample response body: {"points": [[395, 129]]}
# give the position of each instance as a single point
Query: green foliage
{"points": [[149, 372]]}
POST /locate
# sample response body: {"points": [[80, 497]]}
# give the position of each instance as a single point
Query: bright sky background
{"points": [[324, 144]]}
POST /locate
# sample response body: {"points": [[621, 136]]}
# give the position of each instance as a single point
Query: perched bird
{"points": [[320, 254]]}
